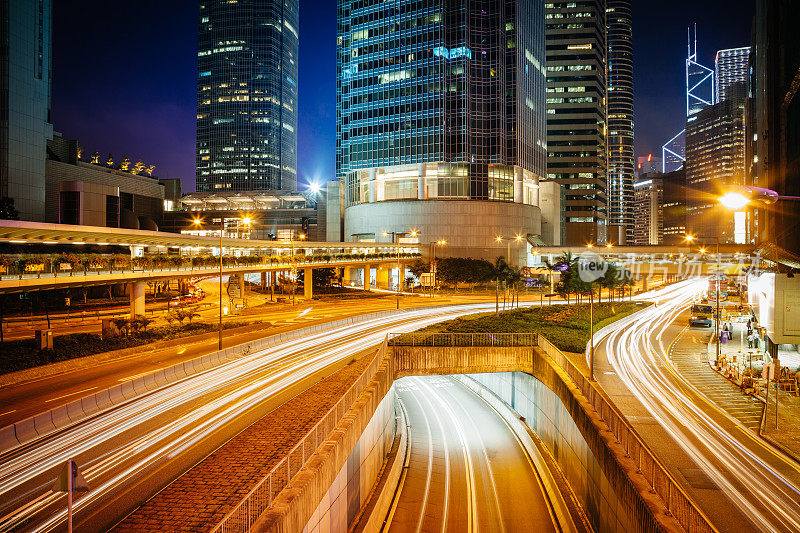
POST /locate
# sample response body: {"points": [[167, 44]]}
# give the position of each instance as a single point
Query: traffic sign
{"points": [[234, 289]]}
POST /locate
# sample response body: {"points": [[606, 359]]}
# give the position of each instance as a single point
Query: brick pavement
{"points": [[201, 497], [787, 436]]}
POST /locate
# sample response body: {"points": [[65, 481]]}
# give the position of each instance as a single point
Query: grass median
{"points": [[566, 326]]}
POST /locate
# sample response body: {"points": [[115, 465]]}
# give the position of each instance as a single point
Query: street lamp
{"points": [[396, 240], [433, 245], [690, 238], [247, 221], [301, 236]]}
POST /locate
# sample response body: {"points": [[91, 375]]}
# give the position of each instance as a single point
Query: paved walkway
{"points": [[201, 497], [686, 356]]}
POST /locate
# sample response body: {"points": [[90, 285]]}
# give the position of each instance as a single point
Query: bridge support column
{"points": [[347, 276], [263, 279], [644, 283], [137, 290], [308, 283], [401, 277], [382, 276], [368, 277]]}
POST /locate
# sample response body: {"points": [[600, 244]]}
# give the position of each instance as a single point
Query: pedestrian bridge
{"points": [[35, 258]]}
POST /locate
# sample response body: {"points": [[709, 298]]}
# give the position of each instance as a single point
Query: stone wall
{"points": [[421, 361]]}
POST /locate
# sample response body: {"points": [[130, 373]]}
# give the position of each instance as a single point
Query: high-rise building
{"points": [[673, 207], [699, 94], [774, 128], [714, 160], [648, 197], [621, 169], [441, 123], [648, 164], [25, 58], [247, 95], [576, 114], [731, 66]]}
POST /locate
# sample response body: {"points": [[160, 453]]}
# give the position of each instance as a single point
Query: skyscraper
{"points": [[774, 127], [731, 66], [441, 101], [247, 95], [620, 120], [715, 159], [25, 59], [576, 114], [699, 94]]}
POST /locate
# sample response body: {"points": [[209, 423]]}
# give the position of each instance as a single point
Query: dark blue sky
{"points": [[124, 76]]}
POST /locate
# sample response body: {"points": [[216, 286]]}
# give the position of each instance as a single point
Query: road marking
{"points": [[8, 412], [70, 394]]}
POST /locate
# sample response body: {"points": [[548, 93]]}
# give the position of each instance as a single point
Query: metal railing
{"points": [[661, 482], [246, 512], [462, 339]]}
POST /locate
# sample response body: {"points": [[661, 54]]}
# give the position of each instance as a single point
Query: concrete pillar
{"points": [[137, 290], [644, 283], [263, 279], [367, 277], [308, 283], [242, 286], [382, 276], [347, 276], [518, 181], [401, 277], [421, 182]]}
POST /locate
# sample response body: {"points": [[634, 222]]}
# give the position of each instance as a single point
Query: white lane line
{"points": [[430, 462], [70, 394], [8, 412]]}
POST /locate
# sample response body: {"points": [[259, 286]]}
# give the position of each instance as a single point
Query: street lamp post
{"points": [[508, 240], [294, 262], [433, 245], [197, 222]]}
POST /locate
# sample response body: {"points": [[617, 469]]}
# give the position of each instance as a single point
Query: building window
{"points": [[112, 211], [70, 207]]}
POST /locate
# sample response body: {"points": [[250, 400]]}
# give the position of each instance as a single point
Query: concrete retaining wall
{"points": [[340, 507], [420, 361], [296, 505]]}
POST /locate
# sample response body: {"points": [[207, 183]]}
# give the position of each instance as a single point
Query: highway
{"points": [[129, 453], [762, 486], [467, 471]]}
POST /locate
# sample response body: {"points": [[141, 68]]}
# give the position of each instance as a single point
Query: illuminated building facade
{"points": [[441, 120], [25, 58], [714, 159], [620, 121], [731, 66], [247, 95], [576, 114], [699, 94], [648, 214]]}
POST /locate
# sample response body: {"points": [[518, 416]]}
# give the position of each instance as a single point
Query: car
{"points": [[702, 316]]}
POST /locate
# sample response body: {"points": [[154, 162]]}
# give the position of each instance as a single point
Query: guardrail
{"points": [[462, 339], [662, 483], [242, 517]]}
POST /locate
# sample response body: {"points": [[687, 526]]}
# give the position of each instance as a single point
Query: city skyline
{"points": [[139, 86]]}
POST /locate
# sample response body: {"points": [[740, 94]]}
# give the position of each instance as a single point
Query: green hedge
{"points": [[22, 354]]}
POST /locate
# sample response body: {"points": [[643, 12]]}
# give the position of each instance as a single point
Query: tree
{"points": [[7, 209], [122, 325], [140, 322]]}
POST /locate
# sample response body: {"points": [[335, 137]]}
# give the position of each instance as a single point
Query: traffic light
{"points": [[304, 226]]}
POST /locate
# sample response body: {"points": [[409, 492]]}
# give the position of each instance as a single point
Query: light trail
{"points": [[125, 443], [635, 349]]}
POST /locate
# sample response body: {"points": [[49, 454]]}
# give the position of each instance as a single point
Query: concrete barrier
{"points": [[8, 438], [43, 423]]}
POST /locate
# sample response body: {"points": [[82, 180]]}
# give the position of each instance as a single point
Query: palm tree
{"points": [[499, 272]]}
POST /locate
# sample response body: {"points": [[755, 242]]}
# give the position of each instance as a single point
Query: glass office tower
{"points": [[247, 95], [620, 121], [25, 57], [439, 100], [576, 114], [731, 66]]}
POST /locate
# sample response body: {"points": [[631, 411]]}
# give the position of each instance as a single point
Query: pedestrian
{"points": [[723, 337], [756, 340], [750, 339]]}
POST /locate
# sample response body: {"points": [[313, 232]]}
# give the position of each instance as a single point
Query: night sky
{"points": [[124, 76]]}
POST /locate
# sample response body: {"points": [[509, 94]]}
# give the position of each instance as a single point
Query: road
{"points": [[711, 450], [467, 471], [129, 453]]}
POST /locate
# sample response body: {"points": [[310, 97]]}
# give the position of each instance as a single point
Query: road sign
{"points": [[234, 289], [62, 483], [427, 279]]}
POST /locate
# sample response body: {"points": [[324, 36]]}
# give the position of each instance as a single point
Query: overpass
{"points": [[155, 255]]}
